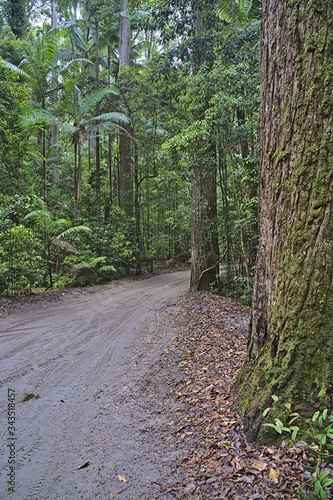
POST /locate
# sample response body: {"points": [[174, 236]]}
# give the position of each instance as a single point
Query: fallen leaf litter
{"points": [[214, 460]]}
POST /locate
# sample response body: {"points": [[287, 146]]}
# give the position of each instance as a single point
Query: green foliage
{"points": [[82, 271], [16, 17], [239, 10], [318, 430], [19, 257], [54, 234], [13, 145], [58, 100]]}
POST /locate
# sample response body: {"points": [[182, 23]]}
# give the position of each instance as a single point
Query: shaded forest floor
{"points": [[196, 376], [189, 388]]}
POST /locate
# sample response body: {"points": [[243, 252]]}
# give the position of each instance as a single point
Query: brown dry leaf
{"points": [[244, 479], [112, 494], [122, 478], [218, 462], [274, 475], [190, 488], [259, 465]]}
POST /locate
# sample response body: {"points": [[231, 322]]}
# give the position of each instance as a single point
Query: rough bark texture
{"points": [[291, 333], [204, 241]]}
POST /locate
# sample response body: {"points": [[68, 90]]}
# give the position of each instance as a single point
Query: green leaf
{"points": [[315, 416], [294, 430], [317, 487], [323, 474], [323, 494], [302, 494], [265, 412], [110, 117], [96, 97], [275, 398]]}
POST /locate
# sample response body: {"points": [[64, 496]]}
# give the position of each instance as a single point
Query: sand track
{"points": [[81, 361]]}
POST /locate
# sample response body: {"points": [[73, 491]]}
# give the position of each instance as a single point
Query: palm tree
{"points": [[43, 65], [83, 122], [232, 10], [38, 61], [54, 232]]}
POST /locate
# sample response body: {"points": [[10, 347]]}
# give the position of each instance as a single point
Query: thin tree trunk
{"points": [[125, 156], [98, 153], [204, 234], [77, 174], [204, 241], [54, 14], [137, 212]]}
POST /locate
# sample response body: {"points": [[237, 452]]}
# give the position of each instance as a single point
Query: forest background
{"points": [[128, 131]]}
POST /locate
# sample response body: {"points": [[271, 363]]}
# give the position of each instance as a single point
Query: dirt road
{"points": [[76, 422]]}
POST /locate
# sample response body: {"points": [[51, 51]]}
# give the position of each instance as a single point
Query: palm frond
{"points": [[108, 119], [64, 245], [96, 97], [61, 225], [73, 26], [67, 128], [40, 219], [39, 116], [73, 62], [12, 67], [73, 230], [254, 9], [238, 10]]}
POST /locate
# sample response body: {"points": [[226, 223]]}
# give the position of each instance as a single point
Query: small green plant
{"points": [[319, 429]]}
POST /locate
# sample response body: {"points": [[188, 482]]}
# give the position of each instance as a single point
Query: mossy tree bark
{"points": [[291, 335]]}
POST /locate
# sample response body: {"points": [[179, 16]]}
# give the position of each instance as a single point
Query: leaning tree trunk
{"points": [[291, 335]]}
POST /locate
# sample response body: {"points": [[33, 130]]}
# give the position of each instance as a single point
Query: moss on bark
{"points": [[291, 334]]}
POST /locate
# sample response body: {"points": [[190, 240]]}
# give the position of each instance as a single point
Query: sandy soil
{"points": [[73, 372]]}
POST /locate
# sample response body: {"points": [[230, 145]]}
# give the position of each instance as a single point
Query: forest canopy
{"points": [[137, 121]]}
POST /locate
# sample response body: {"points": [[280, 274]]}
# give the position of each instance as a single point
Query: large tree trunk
{"points": [[291, 341]]}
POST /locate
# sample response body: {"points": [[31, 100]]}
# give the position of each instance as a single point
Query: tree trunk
{"points": [[137, 212], [204, 239], [125, 159], [54, 14], [78, 141], [97, 131], [290, 350]]}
